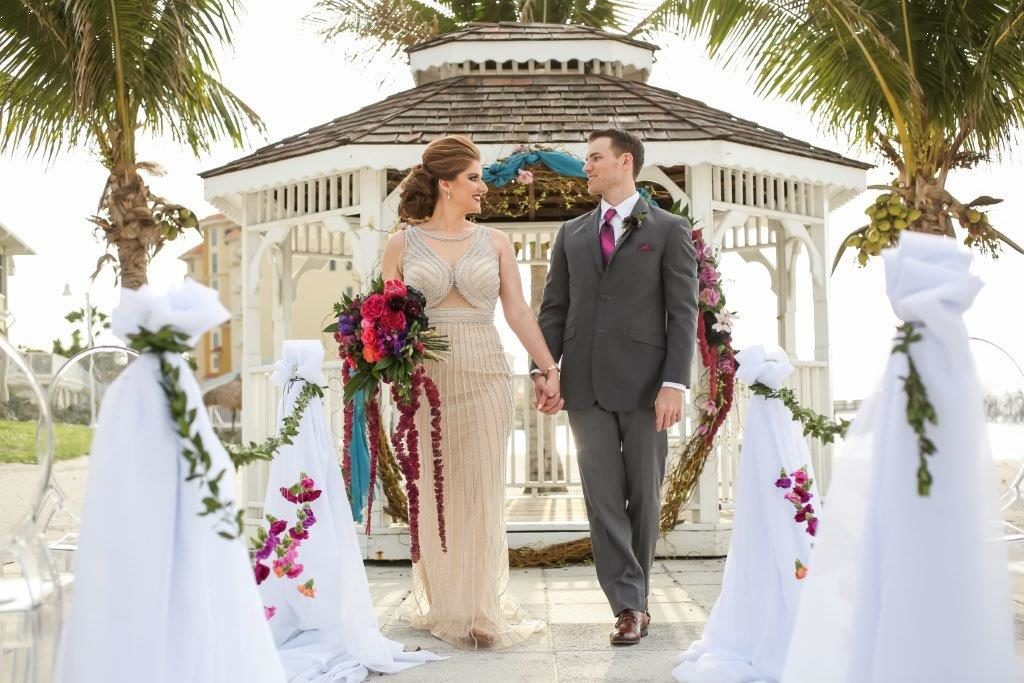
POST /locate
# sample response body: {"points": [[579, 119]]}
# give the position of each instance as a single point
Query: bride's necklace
{"points": [[440, 238]]}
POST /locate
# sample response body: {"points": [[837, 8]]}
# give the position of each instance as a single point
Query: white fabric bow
{"points": [[300, 359], [928, 282], [764, 363], [190, 308]]}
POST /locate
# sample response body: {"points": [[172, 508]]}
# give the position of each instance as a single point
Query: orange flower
{"points": [[369, 354], [278, 570], [307, 589], [801, 570]]}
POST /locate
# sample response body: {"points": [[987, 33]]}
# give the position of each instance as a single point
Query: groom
{"points": [[620, 310]]}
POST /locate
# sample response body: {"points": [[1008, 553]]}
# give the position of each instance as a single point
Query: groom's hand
{"points": [[547, 398], [668, 407]]}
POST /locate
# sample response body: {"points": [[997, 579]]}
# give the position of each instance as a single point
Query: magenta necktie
{"points": [[607, 236]]}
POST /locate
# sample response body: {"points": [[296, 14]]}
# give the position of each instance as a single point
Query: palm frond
{"points": [[95, 71]]}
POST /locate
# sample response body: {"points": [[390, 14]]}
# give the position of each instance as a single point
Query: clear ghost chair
{"points": [[30, 587], [74, 396], [1002, 381]]}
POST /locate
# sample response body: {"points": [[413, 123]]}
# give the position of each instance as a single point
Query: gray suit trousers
{"points": [[622, 464]]}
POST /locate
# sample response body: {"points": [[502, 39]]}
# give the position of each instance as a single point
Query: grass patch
{"points": [[18, 441]]}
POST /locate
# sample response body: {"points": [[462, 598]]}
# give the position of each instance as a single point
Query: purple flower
{"points": [[783, 482], [310, 519], [812, 526], [346, 324], [268, 547], [802, 514], [709, 277], [261, 571], [299, 535], [277, 527], [802, 493]]}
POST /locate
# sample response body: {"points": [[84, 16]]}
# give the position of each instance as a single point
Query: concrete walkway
{"points": [[575, 648]]}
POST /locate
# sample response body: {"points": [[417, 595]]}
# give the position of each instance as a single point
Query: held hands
{"points": [[547, 393], [668, 407]]}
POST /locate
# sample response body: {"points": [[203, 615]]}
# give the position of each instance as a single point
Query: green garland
{"points": [[167, 340], [818, 426], [267, 449], [920, 411], [200, 464]]}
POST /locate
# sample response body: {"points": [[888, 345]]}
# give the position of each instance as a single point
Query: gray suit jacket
{"points": [[621, 331]]}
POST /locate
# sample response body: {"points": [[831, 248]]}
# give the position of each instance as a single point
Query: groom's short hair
{"points": [[623, 141]]}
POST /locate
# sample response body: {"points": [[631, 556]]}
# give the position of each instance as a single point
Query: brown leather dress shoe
{"points": [[630, 627]]}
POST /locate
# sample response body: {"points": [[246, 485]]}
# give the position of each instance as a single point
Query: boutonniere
{"points": [[631, 223]]}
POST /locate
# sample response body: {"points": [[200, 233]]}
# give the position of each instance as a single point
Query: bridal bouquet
{"points": [[385, 336]]}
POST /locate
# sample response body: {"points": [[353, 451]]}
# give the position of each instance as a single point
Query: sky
{"points": [[294, 80]]}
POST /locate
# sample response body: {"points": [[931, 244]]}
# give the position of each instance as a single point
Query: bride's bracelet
{"points": [[548, 370]]}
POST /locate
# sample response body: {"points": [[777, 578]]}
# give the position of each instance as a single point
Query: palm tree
{"points": [[396, 24], [94, 74], [930, 86]]}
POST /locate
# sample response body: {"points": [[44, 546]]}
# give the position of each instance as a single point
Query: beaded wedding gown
{"points": [[462, 596]]}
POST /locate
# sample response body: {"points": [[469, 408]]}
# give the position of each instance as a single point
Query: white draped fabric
{"points": [[904, 587], [747, 631], [159, 596], [333, 636]]}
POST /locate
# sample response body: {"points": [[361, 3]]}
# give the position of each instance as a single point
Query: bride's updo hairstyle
{"points": [[443, 159]]}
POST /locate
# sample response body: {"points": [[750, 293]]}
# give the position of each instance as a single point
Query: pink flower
{"points": [[278, 526], [261, 572], [373, 307], [793, 498], [369, 337], [710, 297], [269, 612], [294, 571], [707, 406], [800, 476], [524, 177], [812, 526], [393, 320], [395, 288]]}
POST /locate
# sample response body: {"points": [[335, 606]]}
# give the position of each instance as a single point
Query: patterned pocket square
{"points": [[645, 248]]}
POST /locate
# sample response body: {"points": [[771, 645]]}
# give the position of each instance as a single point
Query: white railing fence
{"points": [[541, 456]]}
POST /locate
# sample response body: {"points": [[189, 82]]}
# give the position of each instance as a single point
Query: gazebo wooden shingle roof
{"points": [[570, 81], [531, 108]]}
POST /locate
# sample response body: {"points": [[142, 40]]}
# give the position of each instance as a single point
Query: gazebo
{"points": [[331, 192]]}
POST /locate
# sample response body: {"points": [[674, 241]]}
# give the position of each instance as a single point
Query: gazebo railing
{"points": [[540, 457]]}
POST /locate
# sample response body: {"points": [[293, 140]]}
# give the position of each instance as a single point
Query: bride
{"points": [[463, 268]]}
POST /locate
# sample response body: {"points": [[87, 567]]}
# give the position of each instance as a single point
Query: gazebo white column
{"points": [[706, 497]]}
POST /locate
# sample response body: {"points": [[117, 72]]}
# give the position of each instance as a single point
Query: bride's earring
{"points": [[449, 195]]}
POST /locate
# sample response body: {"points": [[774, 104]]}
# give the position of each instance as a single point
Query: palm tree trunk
{"points": [[931, 198], [132, 229]]}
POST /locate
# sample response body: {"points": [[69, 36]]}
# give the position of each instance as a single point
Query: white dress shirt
{"points": [[623, 209]]}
